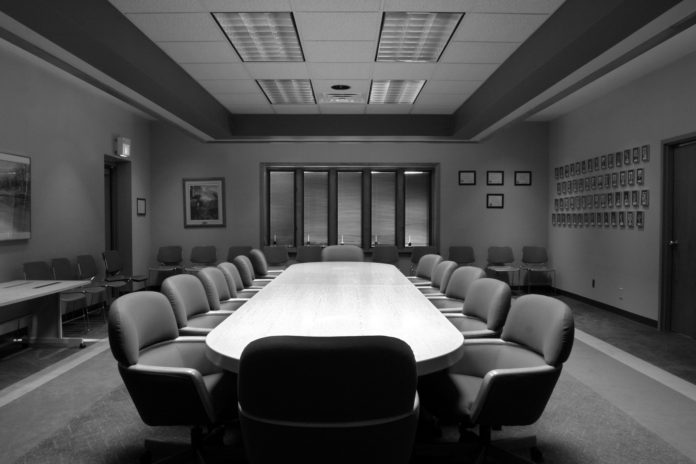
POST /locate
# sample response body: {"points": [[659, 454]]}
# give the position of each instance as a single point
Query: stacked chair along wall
{"points": [[508, 381], [189, 302], [485, 309], [440, 278], [342, 253], [234, 281], [388, 254], [246, 271], [343, 400], [425, 268], [71, 300], [501, 264], [169, 378], [87, 270], [113, 267], [536, 269], [236, 250], [260, 265], [462, 255], [95, 294], [417, 252], [169, 262], [202, 256], [308, 254], [277, 257], [457, 289], [217, 290]]}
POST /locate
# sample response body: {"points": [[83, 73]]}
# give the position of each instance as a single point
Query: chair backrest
{"points": [[534, 255], [308, 254], [276, 255], [186, 295], [246, 270], [86, 267], [500, 255], [205, 255], [112, 262], [169, 255], [234, 280], [542, 324], [417, 252], [426, 265], [462, 255], [215, 285], [258, 262], [489, 301], [236, 250], [351, 398], [37, 270], [342, 253], [442, 274], [460, 281], [62, 269], [388, 254]]}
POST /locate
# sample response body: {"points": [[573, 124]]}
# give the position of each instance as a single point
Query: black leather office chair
{"points": [[113, 266], [236, 250], [417, 252], [342, 400], [425, 268], [260, 265], [202, 256], [96, 294], [234, 281], [439, 279], [342, 253], [169, 378], [457, 289], [308, 254], [462, 255], [484, 310], [246, 272], [169, 262], [277, 257], [70, 300], [388, 254]]}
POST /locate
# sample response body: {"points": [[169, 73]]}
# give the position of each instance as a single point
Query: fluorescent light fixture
{"points": [[414, 172], [262, 36], [288, 91], [395, 91], [415, 37]]}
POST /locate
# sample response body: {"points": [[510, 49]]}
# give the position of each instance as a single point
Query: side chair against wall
{"points": [[189, 302], [342, 253], [457, 289], [95, 293], [169, 262], [169, 378], [485, 309], [343, 400], [308, 254], [462, 255], [260, 265], [440, 278], [217, 291], [536, 268], [388, 254], [417, 252], [236, 250], [234, 281], [113, 267], [87, 270], [202, 256], [508, 381], [71, 300], [501, 264], [425, 268], [277, 257]]}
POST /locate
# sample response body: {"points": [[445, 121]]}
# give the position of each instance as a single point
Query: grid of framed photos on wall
{"points": [[606, 191]]}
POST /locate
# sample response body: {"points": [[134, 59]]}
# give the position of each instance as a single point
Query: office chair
{"points": [[169, 259], [234, 281], [343, 400], [485, 309], [440, 278], [246, 272], [457, 289], [308, 254], [189, 302], [260, 265], [417, 252], [113, 267], [276, 256], [462, 255], [425, 268], [508, 381], [342, 253], [535, 264], [168, 377], [70, 300], [87, 270], [217, 291], [388, 254], [95, 293], [202, 256], [236, 250], [501, 264]]}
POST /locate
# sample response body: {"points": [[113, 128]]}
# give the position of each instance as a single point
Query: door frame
{"points": [[668, 148]]}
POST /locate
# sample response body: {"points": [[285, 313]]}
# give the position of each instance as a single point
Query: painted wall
{"points": [[624, 263], [66, 128], [464, 217]]}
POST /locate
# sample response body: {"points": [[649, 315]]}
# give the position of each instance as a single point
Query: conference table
{"points": [[340, 299], [41, 300]]}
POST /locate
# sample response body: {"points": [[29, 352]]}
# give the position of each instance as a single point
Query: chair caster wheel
{"points": [[535, 454], [82, 345]]}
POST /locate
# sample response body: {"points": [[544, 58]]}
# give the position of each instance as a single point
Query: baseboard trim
{"points": [[612, 309]]}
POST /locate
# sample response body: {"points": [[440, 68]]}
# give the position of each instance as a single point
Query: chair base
{"points": [[204, 448]]}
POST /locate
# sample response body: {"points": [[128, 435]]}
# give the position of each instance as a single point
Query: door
{"points": [[682, 241]]}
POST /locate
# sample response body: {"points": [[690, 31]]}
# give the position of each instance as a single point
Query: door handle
{"points": [[673, 243]]}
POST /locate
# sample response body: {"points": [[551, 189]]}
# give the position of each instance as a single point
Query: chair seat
{"points": [[231, 305], [447, 305], [431, 291], [468, 324], [206, 320], [418, 280]]}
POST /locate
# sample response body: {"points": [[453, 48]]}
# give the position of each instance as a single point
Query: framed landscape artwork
{"points": [[15, 197], [204, 202]]}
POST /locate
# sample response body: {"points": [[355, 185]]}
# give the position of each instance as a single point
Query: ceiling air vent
{"points": [[342, 98]]}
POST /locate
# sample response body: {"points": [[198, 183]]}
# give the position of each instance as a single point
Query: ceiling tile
{"points": [[250, 109], [340, 70], [200, 52], [431, 5], [277, 70], [478, 52], [178, 27], [515, 6], [441, 99], [242, 99], [338, 26], [339, 51], [356, 86], [388, 109], [336, 5], [216, 70], [221, 86], [245, 5], [406, 71], [451, 87], [157, 6], [346, 108], [296, 109], [483, 27], [463, 72]]}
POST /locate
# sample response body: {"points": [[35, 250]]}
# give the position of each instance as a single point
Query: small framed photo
{"points": [[640, 219], [572, 169], [555, 173], [553, 219], [631, 177], [629, 220], [603, 162], [618, 158], [495, 178], [610, 200], [584, 166], [627, 157], [640, 176], [614, 180], [606, 219], [596, 163], [560, 173], [589, 165], [495, 200], [204, 202], [645, 153], [622, 178], [645, 198], [634, 198], [622, 219], [577, 168], [599, 219], [467, 177], [613, 218], [636, 155], [610, 161], [617, 199], [141, 206], [627, 199], [523, 177], [566, 170]]}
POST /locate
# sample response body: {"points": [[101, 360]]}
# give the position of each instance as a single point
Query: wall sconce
{"points": [[122, 147]]}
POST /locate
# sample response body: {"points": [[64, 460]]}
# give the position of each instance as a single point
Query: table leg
{"points": [[46, 324]]}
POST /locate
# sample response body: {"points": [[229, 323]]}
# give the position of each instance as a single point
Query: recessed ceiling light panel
{"points": [[288, 91], [262, 36], [415, 37], [395, 91]]}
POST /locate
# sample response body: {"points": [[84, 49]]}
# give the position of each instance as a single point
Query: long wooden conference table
{"points": [[340, 299]]}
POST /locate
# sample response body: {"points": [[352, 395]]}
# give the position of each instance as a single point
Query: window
{"points": [[324, 205]]}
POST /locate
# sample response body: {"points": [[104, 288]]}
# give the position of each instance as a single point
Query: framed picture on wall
{"points": [[15, 197], [636, 155], [640, 219], [141, 206], [467, 177], [495, 200], [204, 202], [618, 157], [523, 177], [627, 157], [645, 153], [495, 177]]}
